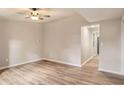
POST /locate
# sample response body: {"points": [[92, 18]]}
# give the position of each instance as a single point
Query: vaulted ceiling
{"points": [[90, 14], [98, 14]]}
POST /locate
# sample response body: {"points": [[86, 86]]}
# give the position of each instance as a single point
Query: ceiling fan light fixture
{"points": [[34, 18]]}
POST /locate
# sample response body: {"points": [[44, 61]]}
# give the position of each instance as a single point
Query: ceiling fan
{"points": [[34, 14]]}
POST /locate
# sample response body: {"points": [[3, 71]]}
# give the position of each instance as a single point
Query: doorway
{"points": [[90, 43]]}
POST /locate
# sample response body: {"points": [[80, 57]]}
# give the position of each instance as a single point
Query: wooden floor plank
{"points": [[50, 73]]}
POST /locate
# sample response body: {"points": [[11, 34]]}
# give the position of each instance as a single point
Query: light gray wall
{"points": [[19, 42], [62, 40], [58, 40], [110, 45]]}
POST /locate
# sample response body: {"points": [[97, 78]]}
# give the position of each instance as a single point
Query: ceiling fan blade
{"points": [[27, 17], [47, 16], [41, 18], [23, 12], [20, 13]]}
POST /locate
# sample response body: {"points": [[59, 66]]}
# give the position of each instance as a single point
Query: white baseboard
{"points": [[87, 61], [110, 71], [62, 62], [31, 61]]}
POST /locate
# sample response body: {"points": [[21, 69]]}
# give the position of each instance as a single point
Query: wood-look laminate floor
{"points": [[51, 73]]}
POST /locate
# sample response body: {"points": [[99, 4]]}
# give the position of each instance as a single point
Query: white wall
{"points": [[59, 40], [62, 40], [19, 42], [110, 45]]}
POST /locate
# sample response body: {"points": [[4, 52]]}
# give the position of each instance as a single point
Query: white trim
{"points": [[87, 60], [110, 71], [40, 59], [31, 61], [62, 62], [122, 45]]}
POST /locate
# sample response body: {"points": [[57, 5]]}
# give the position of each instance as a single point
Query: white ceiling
{"points": [[90, 14], [98, 14]]}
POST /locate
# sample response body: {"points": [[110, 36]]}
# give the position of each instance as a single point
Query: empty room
{"points": [[61, 46]]}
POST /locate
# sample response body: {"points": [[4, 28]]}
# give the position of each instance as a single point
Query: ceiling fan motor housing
{"points": [[34, 9]]}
